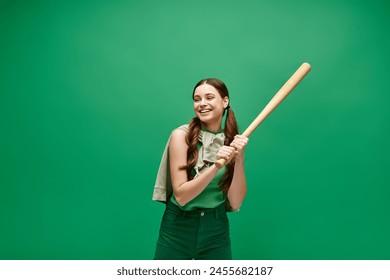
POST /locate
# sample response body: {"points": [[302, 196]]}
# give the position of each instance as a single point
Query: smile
{"points": [[204, 111]]}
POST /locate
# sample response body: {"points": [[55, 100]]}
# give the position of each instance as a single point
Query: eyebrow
{"points": [[207, 93]]}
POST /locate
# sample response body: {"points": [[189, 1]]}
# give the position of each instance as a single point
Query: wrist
{"points": [[239, 158]]}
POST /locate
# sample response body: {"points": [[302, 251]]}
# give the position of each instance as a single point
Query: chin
{"points": [[208, 119], [204, 118]]}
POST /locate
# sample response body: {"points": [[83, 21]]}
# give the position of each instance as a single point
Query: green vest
{"points": [[212, 196]]}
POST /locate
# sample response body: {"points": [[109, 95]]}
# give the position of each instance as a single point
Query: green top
{"points": [[212, 196], [208, 147]]}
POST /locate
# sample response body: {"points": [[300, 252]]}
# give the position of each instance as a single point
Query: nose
{"points": [[202, 102]]}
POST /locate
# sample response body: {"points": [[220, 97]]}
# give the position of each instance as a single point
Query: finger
{"points": [[225, 153], [241, 139], [237, 145], [227, 150]]}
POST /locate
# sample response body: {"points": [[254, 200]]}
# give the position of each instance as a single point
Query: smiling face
{"points": [[209, 106]]}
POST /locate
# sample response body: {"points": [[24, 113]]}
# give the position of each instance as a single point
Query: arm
{"points": [[183, 189], [237, 190]]}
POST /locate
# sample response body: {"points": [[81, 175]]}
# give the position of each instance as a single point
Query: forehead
{"points": [[204, 89]]}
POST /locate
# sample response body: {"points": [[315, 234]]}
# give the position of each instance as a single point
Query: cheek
{"points": [[219, 106], [195, 108]]}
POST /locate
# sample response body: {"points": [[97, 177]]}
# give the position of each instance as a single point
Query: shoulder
{"points": [[181, 130], [178, 143], [179, 134], [184, 127]]}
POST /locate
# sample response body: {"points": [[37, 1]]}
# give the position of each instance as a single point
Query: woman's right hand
{"points": [[227, 153]]}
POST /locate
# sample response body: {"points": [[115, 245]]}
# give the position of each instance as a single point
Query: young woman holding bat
{"points": [[201, 174], [197, 193]]}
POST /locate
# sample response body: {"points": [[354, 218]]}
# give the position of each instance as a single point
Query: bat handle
{"points": [[220, 163]]}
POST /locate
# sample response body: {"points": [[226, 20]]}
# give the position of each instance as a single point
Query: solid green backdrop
{"points": [[90, 91]]}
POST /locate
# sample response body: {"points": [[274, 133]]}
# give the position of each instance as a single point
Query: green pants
{"points": [[199, 234]]}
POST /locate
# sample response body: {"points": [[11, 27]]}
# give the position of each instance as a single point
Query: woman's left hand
{"points": [[239, 143]]}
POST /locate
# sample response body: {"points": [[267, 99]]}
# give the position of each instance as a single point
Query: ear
{"points": [[225, 101]]}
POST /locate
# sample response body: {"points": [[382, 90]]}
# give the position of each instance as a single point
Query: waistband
{"points": [[219, 211]]}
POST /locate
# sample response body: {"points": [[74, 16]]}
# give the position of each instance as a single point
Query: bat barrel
{"points": [[279, 97], [285, 90]]}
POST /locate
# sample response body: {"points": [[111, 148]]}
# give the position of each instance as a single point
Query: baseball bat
{"points": [[285, 90]]}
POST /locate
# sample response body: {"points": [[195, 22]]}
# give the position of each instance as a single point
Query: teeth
{"points": [[205, 111]]}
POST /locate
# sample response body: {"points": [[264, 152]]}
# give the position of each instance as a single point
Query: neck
{"points": [[215, 127]]}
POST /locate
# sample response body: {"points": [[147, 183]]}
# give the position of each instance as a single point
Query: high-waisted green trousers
{"points": [[198, 234]]}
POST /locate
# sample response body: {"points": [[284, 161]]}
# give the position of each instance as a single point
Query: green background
{"points": [[90, 91]]}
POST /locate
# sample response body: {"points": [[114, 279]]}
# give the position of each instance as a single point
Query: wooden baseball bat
{"points": [[275, 101]]}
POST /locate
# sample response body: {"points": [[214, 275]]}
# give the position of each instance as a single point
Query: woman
{"points": [[196, 191]]}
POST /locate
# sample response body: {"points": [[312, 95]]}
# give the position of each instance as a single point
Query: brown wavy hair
{"points": [[230, 130]]}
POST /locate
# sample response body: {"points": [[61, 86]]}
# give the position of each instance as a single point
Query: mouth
{"points": [[204, 111]]}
